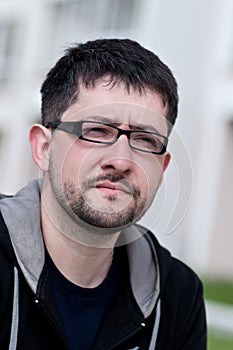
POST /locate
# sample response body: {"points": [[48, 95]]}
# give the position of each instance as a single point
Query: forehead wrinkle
{"points": [[145, 127], [100, 118]]}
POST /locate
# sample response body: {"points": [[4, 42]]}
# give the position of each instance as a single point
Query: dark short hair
{"points": [[123, 60]]}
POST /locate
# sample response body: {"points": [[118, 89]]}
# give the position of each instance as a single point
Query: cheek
{"points": [[152, 172], [79, 162]]}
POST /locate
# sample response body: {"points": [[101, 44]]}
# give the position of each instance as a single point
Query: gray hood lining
{"points": [[144, 278], [21, 215]]}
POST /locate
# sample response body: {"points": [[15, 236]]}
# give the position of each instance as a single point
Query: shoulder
{"points": [[182, 303], [173, 269], [177, 279], [184, 289]]}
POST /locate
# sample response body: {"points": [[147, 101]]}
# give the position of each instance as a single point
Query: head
{"points": [[121, 60], [106, 186]]}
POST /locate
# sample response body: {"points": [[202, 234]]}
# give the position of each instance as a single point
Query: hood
{"points": [[22, 217]]}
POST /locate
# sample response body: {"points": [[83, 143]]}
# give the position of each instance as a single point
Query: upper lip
{"points": [[115, 186]]}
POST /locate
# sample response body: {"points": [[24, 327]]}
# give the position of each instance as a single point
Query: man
{"points": [[76, 271]]}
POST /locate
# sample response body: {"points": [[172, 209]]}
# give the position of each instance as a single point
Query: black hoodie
{"points": [[159, 305]]}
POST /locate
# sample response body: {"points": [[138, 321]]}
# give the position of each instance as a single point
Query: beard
{"points": [[85, 210]]}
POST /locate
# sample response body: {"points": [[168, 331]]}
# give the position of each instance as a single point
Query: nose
{"points": [[118, 157]]}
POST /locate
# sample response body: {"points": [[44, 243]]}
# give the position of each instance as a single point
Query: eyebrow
{"points": [[107, 120]]}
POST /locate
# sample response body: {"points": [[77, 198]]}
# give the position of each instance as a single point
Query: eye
{"points": [[147, 141], [97, 131]]}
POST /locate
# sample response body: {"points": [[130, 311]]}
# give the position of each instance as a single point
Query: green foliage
{"points": [[219, 341], [218, 290], [221, 291]]}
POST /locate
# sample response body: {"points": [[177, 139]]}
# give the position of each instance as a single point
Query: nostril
{"points": [[116, 167], [108, 166]]}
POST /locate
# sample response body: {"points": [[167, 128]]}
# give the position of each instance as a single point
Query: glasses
{"points": [[98, 132]]}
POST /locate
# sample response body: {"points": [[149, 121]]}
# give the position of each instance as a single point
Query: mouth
{"points": [[114, 188], [112, 185]]}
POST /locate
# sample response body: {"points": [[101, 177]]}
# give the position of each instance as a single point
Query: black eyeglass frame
{"points": [[75, 128]]}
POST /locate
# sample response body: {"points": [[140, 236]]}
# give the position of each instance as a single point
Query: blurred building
{"points": [[195, 39]]}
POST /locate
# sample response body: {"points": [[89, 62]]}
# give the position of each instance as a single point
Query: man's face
{"points": [[108, 186]]}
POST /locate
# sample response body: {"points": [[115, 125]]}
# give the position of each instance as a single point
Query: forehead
{"points": [[117, 105]]}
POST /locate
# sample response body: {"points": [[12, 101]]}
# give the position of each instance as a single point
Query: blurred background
{"points": [[195, 39]]}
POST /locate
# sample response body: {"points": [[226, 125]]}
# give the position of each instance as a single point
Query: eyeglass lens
{"points": [[142, 140]]}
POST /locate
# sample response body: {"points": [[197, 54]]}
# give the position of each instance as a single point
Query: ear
{"points": [[167, 158], [166, 161], [40, 138]]}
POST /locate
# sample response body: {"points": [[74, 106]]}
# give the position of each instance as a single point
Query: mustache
{"points": [[112, 178]]}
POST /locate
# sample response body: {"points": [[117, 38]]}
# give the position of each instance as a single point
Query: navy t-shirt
{"points": [[81, 310]]}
